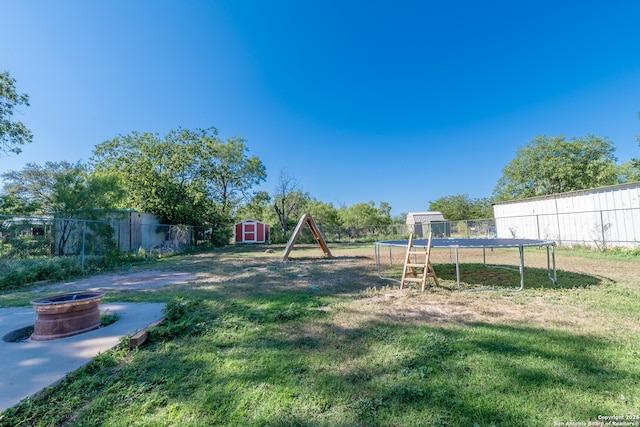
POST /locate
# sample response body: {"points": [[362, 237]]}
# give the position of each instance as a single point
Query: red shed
{"points": [[250, 231]]}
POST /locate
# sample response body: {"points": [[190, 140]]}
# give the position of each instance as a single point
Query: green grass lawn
{"points": [[320, 342]]}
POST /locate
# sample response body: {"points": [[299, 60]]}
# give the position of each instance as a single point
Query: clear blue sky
{"points": [[396, 101]]}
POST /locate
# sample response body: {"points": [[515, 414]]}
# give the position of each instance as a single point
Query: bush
{"points": [[221, 236], [17, 272], [20, 272]]}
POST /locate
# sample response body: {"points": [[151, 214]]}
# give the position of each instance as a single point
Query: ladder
{"points": [[411, 267]]}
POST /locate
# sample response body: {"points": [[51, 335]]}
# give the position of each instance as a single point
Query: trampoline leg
{"points": [[376, 255], [553, 279], [457, 270], [521, 249]]}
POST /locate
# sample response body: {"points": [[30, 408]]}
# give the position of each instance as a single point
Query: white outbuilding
{"points": [[601, 217], [419, 222]]}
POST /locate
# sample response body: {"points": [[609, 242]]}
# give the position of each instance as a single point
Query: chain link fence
{"points": [[375, 233], [43, 236], [24, 237], [601, 229]]}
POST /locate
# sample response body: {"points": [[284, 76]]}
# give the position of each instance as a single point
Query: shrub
{"points": [[17, 272]]}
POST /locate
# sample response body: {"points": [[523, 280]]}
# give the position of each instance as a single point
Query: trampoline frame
{"points": [[483, 244]]}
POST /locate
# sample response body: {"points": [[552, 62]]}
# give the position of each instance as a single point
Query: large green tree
{"points": [[228, 172], [31, 189], [13, 133], [79, 194], [462, 207], [69, 191], [160, 175], [186, 177], [551, 165], [361, 215], [324, 214], [61, 188], [629, 171]]}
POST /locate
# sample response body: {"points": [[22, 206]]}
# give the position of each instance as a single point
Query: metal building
{"points": [[600, 217], [418, 223]]}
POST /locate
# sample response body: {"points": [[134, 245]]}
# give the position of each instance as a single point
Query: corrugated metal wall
{"points": [[602, 217]]}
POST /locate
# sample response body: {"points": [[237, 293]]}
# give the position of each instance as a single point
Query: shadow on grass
{"points": [[479, 276], [255, 349], [392, 374], [281, 362], [504, 277]]}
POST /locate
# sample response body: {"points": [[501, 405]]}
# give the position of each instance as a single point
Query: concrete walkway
{"points": [[28, 367]]}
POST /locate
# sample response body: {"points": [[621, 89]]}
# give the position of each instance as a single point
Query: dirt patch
{"points": [[139, 280], [249, 272]]}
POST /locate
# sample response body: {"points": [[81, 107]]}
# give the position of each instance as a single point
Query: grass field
{"points": [[325, 342]]}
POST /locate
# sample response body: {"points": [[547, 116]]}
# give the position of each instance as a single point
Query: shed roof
{"points": [[624, 186], [422, 217], [251, 220]]}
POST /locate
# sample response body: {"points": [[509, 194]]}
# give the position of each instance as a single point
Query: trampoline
{"points": [[484, 244]]}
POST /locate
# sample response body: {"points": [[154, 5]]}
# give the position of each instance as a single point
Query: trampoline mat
{"points": [[470, 243]]}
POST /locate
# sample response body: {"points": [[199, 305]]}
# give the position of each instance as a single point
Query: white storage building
{"points": [[599, 217], [418, 222]]}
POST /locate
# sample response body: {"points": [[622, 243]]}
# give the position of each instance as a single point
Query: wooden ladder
{"points": [[411, 267]]}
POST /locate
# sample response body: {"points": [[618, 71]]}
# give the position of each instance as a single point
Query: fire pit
{"points": [[65, 315]]}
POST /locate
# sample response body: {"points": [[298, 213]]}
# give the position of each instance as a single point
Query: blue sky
{"points": [[403, 102]]}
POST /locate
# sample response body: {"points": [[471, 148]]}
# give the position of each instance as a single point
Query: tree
{"points": [[12, 205], [32, 188], [400, 218], [462, 207], [258, 207], [361, 215], [78, 194], [186, 177], [323, 213], [551, 165], [288, 201], [160, 175], [13, 133], [228, 171], [629, 171], [70, 191]]}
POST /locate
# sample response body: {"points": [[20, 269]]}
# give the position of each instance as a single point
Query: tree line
{"points": [[195, 177]]}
